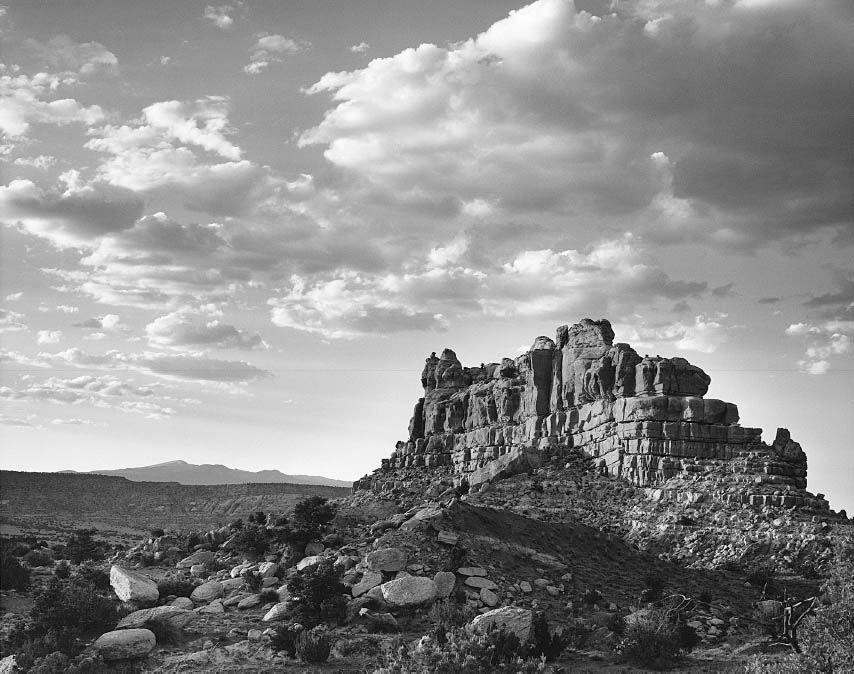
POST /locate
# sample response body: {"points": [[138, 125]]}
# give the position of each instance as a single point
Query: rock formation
{"points": [[644, 419]]}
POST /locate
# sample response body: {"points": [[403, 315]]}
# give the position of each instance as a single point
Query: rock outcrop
{"points": [[641, 418]]}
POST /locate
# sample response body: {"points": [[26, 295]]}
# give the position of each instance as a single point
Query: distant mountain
{"points": [[208, 473]]}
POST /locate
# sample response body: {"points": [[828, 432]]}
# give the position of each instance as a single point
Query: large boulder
{"points": [[277, 612], [133, 586], [170, 619], [445, 582], [198, 557], [306, 562], [409, 591], [370, 579], [125, 644], [387, 559], [511, 618], [207, 592], [517, 460]]}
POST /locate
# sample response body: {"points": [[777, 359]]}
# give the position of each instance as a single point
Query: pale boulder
{"points": [[514, 619], [207, 592], [409, 591], [133, 586], [125, 644]]}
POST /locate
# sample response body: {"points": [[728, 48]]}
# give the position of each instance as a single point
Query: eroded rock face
{"points": [[642, 418]]}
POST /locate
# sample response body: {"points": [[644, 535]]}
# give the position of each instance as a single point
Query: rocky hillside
{"points": [[71, 500], [596, 433]]}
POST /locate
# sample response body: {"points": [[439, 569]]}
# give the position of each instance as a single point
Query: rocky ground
{"points": [[579, 547]]}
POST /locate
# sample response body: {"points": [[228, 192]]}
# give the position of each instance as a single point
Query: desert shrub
{"points": [[82, 547], [762, 575], [157, 533], [13, 576], [319, 594], [251, 541], [52, 663], [92, 575], [453, 558], [75, 603], [577, 634], [38, 558], [269, 595], [312, 515], [314, 645], [705, 598], [653, 587], [464, 651], [258, 517], [285, 639], [448, 615], [177, 585], [592, 596], [251, 581], [236, 524], [543, 642], [652, 639], [62, 570], [15, 548]]}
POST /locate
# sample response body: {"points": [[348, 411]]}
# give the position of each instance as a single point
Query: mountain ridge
{"points": [[182, 472]]}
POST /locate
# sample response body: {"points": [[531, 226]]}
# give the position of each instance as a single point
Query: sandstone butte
{"points": [[641, 418]]}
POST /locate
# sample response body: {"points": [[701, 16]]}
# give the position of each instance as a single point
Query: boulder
{"points": [[215, 606], [133, 586], [514, 619], [387, 559], [125, 644], [409, 591], [445, 582], [183, 602], [306, 562], [267, 569], [207, 592], [488, 597], [198, 557], [480, 582], [277, 612], [517, 460], [370, 579], [168, 618], [251, 601]]}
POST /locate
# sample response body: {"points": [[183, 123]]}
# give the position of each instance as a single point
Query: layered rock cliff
{"points": [[644, 419]]}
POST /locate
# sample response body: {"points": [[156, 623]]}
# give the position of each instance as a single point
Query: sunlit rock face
{"points": [[642, 418]]}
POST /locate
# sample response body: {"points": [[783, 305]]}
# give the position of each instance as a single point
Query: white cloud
{"points": [[11, 321], [826, 342], [42, 162], [48, 336], [14, 297], [270, 49], [65, 309], [550, 112], [220, 16], [86, 59], [186, 327], [23, 102], [360, 48]]}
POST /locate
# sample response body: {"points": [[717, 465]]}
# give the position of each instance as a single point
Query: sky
{"points": [[231, 233]]}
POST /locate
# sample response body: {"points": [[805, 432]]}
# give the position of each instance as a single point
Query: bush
{"points": [[464, 651], [592, 596], [77, 603], [177, 585], [319, 595], [15, 548], [259, 517], [314, 645], [762, 575], [285, 639], [62, 570], [653, 587], [92, 575], [13, 576], [82, 547], [252, 581], [157, 533], [653, 639], [38, 558], [312, 515], [544, 643], [251, 541]]}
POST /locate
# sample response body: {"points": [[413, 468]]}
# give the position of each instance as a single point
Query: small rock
{"points": [[488, 597], [552, 590], [387, 559], [541, 583], [198, 557], [369, 580], [132, 586], [471, 571], [207, 592], [198, 570], [214, 607], [183, 602], [251, 601], [447, 538], [525, 586], [306, 562], [267, 569], [278, 612], [254, 635], [445, 582], [481, 582]]}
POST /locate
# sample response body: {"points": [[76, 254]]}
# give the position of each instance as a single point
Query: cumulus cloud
{"points": [[71, 217], [825, 343], [611, 275], [42, 162], [704, 335], [12, 321], [48, 336], [186, 327], [655, 113], [23, 101], [272, 49], [86, 59], [220, 16], [360, 48]]}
